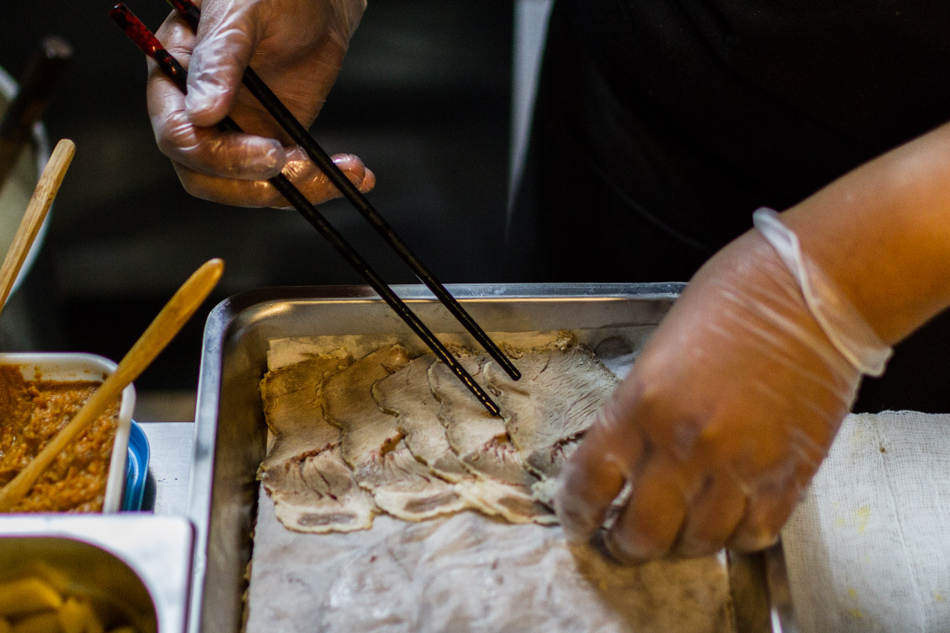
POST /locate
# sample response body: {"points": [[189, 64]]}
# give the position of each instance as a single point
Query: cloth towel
{"points": [[869, 548]]}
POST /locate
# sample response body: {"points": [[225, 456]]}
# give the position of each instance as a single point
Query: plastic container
{"points": [[65, 366], [136, 469]]}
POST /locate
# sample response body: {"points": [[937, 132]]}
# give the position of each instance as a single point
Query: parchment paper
{"points": [[467, 572]]}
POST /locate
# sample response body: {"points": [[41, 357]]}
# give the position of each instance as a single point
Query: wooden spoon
{"points": [[36, 211], [161, 331]]}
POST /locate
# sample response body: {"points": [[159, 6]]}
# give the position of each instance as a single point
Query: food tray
{"points": [[137, 562], [65, 366], [230, 433]]}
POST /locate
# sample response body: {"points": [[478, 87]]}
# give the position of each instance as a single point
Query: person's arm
{"points": [[297, 47], [735, 400], [883, 234]]}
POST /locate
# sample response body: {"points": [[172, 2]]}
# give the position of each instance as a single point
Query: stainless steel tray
{"points": [[230, 433], [140, 562]]}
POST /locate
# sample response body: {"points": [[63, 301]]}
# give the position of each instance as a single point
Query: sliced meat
{"points": [[291, 397], [555, 401], [373, 445], [316, 492], [481, 442], [406, 395], [312, 487]]}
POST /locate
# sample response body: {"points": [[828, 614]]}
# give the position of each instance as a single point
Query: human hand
{"points": [[297, 48], [724, 418]]}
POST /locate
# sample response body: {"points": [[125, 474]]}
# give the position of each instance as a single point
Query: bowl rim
{"points": [[9, 88], [76, 366]]}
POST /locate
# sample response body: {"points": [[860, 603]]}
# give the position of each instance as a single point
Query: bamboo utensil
{"points": [[35, 214], [158, 334]]}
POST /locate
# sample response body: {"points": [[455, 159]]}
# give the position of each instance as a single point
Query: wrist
{"points": [[882, 233], [843, 324]]}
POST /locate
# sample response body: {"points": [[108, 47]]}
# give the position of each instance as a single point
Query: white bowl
{"points": [[65, 367], [16, 194]]}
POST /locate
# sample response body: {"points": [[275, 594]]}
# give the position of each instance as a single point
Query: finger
{"points": [[712, 518], [763, 520], [206, 150], [177, 37], [595, 475], [648, 526], [225, 42], [313, 183]]}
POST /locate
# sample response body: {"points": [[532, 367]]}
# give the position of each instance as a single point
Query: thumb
{"points": [[226, 40]]}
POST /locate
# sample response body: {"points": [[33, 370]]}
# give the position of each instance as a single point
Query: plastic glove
{"points": [[297, 47], [726, 414]]}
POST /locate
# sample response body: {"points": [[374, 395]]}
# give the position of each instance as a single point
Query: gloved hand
{"points": [[297, 48], [726, 414]]}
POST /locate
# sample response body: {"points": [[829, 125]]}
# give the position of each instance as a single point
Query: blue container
{"points": [[136, 469]]}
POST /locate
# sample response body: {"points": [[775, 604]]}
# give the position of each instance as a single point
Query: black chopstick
{"points": [[145, 40], [191, 14]]}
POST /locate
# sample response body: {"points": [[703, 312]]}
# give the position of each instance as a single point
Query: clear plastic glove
{"points": [[726, 414], [297, 48]]}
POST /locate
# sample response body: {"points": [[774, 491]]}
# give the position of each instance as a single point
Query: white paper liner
{"points": [[468, 572]]}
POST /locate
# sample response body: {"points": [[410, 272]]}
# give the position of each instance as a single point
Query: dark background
{"points": [[424, 98]]}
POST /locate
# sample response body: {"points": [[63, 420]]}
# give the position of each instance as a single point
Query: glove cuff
{"points": [[848, 331]]}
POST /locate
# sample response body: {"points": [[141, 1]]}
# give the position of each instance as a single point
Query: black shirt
{"points": [[695, 112], [661, 125]]}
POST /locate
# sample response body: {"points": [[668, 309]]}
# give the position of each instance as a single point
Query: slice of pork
{"points": [[373, 444], [482, 444], [304, 472], [554, 402]]}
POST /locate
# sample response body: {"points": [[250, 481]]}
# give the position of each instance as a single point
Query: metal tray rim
{"points": [[225, 315]]}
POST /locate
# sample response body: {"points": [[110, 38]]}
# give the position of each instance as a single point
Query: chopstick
{"points": [[40, 77], [149, 44], [256, 86]]}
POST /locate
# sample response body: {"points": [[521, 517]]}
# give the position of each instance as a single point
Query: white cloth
{"points": [[869, 548]]}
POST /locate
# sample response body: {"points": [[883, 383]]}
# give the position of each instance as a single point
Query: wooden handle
{"points": [[36, 211], [161, 331]]}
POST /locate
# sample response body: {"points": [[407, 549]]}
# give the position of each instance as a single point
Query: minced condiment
{"points": [[31, 413]]}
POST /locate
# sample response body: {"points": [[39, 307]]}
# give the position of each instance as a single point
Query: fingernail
{"points": [[273, 159], [369, 181], [627, 552], [358, 173], [751, 541], [201, 99], [574, 514]]}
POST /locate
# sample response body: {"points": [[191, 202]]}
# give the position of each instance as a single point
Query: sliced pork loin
{"points": [[482, 444], [554, 402], [374, 446], [406, 395], [312, 487]]}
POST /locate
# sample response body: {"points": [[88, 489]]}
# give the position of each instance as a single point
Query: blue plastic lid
{"points": [[136, 469]]}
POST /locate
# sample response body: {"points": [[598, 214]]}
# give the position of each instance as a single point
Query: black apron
{"points": [[660, 125]]}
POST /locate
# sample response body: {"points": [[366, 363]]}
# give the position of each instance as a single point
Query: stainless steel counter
{"points": [[170, 445]]}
